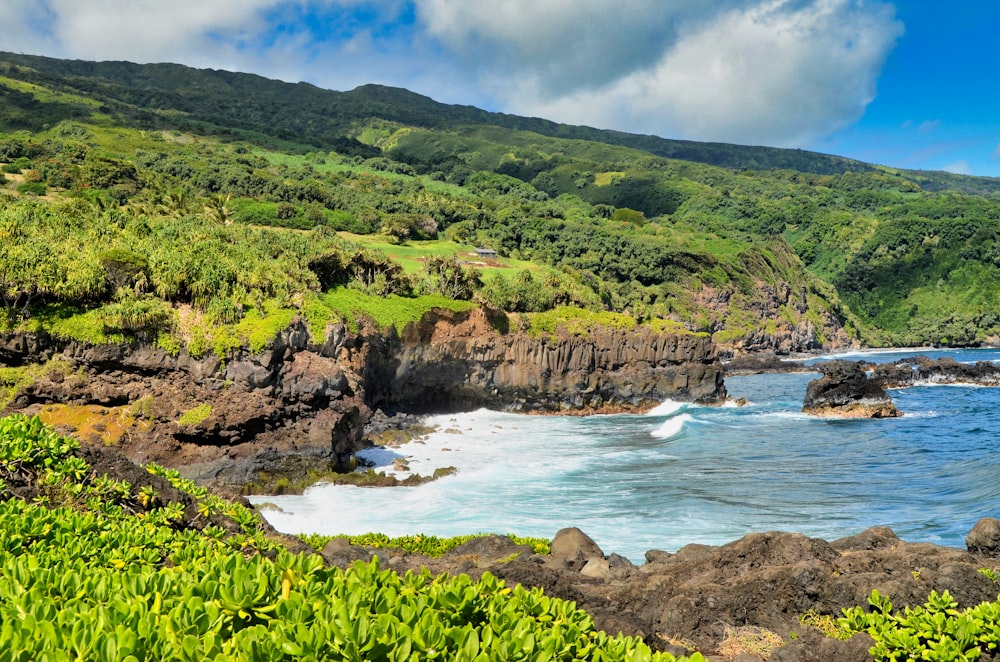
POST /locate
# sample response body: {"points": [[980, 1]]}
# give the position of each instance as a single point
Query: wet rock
{"points": [[923, 370], [845, 391]]}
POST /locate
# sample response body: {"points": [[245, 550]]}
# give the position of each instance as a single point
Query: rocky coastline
{"points": [[305, 406], [777, 585], [302, 403]]}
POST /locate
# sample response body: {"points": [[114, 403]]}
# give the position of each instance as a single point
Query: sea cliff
{"points": [[303, 402]]}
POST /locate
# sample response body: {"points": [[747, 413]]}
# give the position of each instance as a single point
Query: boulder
{"points": [[574, 548], [492, 548], [845, 391], [984, 538]]}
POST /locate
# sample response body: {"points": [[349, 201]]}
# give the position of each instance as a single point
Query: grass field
{"points": [[413, 254]]}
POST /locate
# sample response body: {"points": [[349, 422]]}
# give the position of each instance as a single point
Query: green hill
{"points": [[764, 248]]}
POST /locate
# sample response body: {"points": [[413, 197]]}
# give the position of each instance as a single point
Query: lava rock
{"points": [[845, 391]]}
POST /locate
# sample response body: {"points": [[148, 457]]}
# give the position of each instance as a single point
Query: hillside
{"points": [[321, 117], [780, 249]]}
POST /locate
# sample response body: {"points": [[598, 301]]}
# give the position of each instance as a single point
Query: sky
{"points": [[908, 84]]}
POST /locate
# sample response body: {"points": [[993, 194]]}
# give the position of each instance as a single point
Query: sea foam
{"points": [[668, 408], [672, 427]]}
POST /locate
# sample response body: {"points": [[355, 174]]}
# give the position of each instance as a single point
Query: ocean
{"points": [[690, 474]]}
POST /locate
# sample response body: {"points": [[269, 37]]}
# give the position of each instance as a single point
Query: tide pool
{"points": [[690, 474]]}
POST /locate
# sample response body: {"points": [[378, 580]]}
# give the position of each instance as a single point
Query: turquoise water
{"points": [[684, 474]]}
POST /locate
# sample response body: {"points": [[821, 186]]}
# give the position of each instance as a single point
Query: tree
{"points": [[453, 280]]}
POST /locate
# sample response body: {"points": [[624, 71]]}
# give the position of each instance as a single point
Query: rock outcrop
{"points": [[923, 370], [781, 319], [845, 391], [456, 360], [763, 582], [302, 404]]}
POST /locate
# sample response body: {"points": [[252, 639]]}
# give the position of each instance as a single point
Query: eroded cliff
{"points": [[302, 404]]}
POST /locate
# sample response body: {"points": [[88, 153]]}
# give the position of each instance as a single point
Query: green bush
{"points": [[195, 415], [936, 631], [32, 188]]}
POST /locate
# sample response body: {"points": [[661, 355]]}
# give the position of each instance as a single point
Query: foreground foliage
{"points": [[96, 568], [937, 630], [420, 544]]}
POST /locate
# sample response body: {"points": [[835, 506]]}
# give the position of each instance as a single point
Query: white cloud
{"points": [[960, 167], [566, 44], [142, 30], [771, 72], [753, 71], [996, 151]]}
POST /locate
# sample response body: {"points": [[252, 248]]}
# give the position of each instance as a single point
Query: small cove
{"points": [[688, 474]]}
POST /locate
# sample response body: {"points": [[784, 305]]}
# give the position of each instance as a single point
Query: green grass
{"points": [[412, 254], [419, 543], [195, 415], [576, 321], [385, 312], [45, 95]]}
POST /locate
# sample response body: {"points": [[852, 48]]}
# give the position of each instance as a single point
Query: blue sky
{"points": [[911, 83]]}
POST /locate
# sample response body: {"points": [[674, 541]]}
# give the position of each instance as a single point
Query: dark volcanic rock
{"points": [[845, 391], [764, 580], [922, 370], [458, 360], [300, 406], [747, 364]]}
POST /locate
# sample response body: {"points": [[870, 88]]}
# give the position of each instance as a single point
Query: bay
{"points": [[690, 474]]}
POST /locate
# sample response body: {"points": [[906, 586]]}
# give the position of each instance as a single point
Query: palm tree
{"points": [[217, 208]]}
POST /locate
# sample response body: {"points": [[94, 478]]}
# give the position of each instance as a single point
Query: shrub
{"points": [[32, 188]]}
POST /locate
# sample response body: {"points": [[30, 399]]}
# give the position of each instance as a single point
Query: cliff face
{"points": [[454, 359], [776, 318], [302, 405]]}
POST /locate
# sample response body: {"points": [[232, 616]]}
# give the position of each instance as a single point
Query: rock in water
{"points": [[845, 391]]}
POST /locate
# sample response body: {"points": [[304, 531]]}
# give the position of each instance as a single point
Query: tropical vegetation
{"points": [[158, 200]]}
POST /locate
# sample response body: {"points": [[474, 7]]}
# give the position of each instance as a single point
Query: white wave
{"points": [[668, 408], [955, 384], [672, 427], [921, 414], [787, 415], [863, 353]]}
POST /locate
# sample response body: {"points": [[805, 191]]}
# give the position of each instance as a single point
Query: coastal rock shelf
{"points": [[302, 404], [845, 391], [764, 581]]}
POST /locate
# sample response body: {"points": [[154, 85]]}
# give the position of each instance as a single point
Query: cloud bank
{"points": [[777, 72]]}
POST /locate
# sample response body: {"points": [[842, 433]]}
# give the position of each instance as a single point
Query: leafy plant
{"points": [[936, 630], [95, 580]]}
